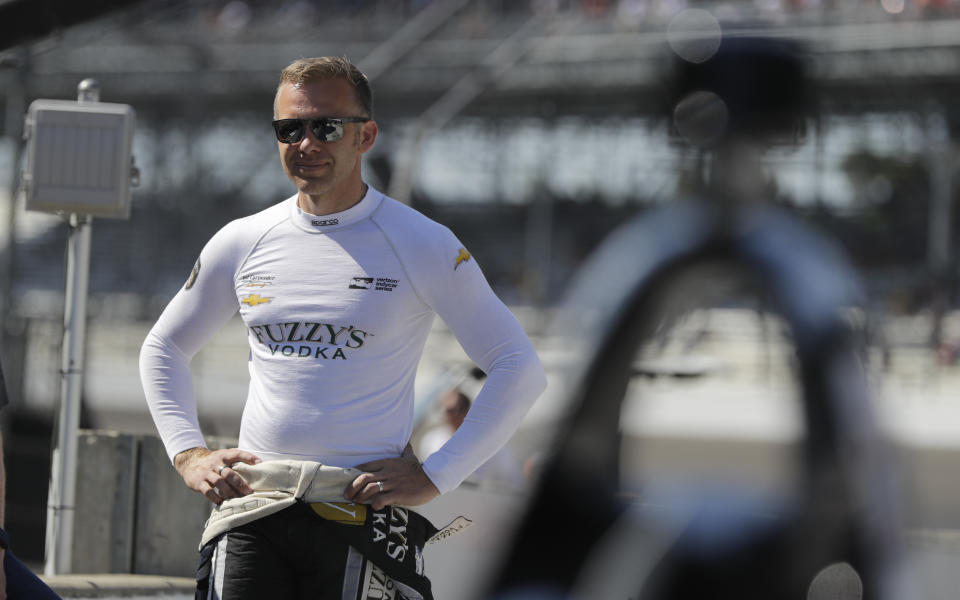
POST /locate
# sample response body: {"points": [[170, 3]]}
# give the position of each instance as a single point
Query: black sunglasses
{"points": [[325, 129]]}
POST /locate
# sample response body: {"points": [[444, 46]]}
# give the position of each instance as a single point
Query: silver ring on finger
{"points": [[380, 485], [220, 469]]}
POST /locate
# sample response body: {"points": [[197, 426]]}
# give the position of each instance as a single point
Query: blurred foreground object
{"points": [[751, 89], [837, 537]]}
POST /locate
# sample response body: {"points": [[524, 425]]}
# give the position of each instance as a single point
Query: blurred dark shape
{"points": [[28, 437], [733, 545], [761, 82], [23, 21]]}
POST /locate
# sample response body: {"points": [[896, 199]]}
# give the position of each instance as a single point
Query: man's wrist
{"points": [[429, 479], [183, 457]]}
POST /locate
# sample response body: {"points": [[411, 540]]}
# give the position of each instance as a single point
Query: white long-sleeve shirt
{"points": [[337, 310]]}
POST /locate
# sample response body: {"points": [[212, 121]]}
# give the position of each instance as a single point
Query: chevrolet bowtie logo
{"points": [[254, 299], [463, 257]]}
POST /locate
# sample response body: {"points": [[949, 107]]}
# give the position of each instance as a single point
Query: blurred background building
{"points": [[531, 127]]}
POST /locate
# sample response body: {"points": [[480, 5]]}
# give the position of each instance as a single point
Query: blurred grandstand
{"points": [[532, 114], [531, 128]]}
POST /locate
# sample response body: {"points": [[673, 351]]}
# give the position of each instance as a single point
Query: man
{"points": [[17, 582], [337, 286]]}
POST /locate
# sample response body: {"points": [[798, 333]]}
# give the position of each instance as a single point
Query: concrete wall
{"points": [[134, 513], [106, 503]]}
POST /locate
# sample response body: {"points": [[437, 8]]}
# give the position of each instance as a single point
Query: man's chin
{"points": [[313, 186]]}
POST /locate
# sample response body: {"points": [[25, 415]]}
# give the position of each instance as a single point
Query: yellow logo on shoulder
{"points": [[254, 299], [463, 257], [345, 513]]}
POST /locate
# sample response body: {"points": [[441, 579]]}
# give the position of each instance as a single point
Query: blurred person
{"points": [[500, 468], [454, 406], [337, 286], [17, 582]]}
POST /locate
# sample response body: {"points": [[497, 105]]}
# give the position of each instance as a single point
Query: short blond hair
{"points": [[328, 67]]}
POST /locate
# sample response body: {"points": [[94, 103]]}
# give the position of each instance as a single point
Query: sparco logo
{"points": [[302, 339], [324, 222]]}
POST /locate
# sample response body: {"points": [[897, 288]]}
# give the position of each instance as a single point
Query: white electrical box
{"points": [[79, 157]]}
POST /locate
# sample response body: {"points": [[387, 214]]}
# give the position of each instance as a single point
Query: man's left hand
{"points": [[391, 481]]}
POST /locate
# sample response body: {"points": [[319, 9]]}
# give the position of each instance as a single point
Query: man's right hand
{"points": [[208, 472]]}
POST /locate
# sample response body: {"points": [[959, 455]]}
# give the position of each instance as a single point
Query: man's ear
{"points": [[368, 135]]}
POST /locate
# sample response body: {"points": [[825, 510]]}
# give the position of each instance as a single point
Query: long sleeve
{"points": [[199, 309], [451, 282]]}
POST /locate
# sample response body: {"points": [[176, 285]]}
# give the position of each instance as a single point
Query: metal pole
{"points": [[63, 473]]}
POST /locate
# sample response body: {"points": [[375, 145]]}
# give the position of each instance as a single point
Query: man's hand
{"points": [[392, 481], [208, 472]]}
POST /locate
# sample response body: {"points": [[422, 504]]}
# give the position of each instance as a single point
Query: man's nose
{"points": [[309, 141]]}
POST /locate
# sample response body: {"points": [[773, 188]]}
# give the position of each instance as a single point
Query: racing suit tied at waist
{"points": [[278, 484]]}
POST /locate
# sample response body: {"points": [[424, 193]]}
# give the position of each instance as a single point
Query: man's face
{"points": [[321, 168]]}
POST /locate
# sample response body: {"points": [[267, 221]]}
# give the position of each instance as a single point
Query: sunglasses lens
{"points": [[289, 131], [327, 130]]}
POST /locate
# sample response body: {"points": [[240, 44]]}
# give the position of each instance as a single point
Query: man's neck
{"points": [[328, 204]]}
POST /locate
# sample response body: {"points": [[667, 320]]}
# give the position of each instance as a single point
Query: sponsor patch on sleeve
{"points": [[462, 257], [193, 275]]}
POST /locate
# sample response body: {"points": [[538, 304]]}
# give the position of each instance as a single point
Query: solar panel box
{"points": [[79, 157]]}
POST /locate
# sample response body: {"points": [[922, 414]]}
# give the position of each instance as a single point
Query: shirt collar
{"points": [[327, 223]]}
